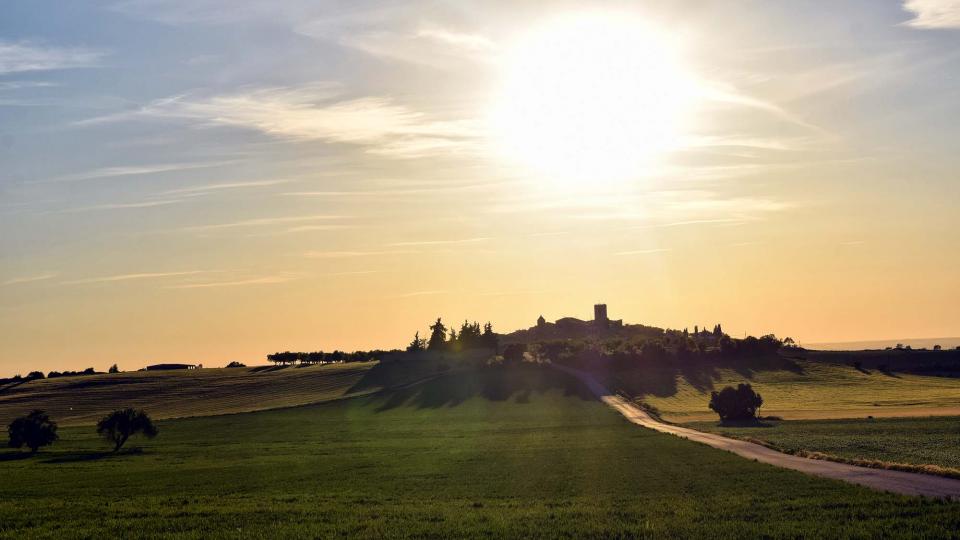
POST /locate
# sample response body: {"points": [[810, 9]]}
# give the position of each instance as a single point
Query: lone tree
{"points": [[119, 426], [736, 404], [33, 431]]}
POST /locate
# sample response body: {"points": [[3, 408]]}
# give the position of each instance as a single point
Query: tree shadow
{"points": [[751, 423], [10, 386], [15, 456], [518, 383], [80, 457], [266, 369]]}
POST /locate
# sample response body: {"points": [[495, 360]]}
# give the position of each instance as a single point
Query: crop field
{"points": [[814, 390], [171, 394], [520, 452], [917, 441]]}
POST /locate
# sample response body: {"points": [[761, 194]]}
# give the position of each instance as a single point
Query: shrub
{"points": [[119, 426], [35, 375], [33, 431], [236, 364], [736, 404], [513, 353], [113, 369]]}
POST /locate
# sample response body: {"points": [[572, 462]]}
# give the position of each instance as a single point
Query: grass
{"points": [[206, 392], [495, 453], [171, 394], [916, 441], [813, 390]]}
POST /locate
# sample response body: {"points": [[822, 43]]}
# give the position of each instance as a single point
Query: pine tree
{"points": [[438, 336]]}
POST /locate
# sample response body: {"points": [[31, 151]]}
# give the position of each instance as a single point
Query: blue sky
{"points": [[176, 173]]}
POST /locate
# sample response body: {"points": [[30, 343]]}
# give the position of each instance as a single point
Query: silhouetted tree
{"points": [[33, 431], [34, 375], [236, 364], [717, 331], [113, 369], [119, 426], [937, 347], [490, 340], [418, 343], [740, 403], [438, 336]]}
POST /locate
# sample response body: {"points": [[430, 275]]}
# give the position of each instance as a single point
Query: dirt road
{"points": [[880, 479]]}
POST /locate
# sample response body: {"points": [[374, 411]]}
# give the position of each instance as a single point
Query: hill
{"points": [[519, 453], [572, 328], [802, 389], [206, 392]]}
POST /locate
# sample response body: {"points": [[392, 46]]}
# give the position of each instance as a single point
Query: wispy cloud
{"points": [[691, 222], [133, 170], [931, 14], [138, 276], [354, 254], [642, 251], [315, 112], [30, 279], [265, 280], [260, 222], [419, 293], [225, 186], [16, 57], [440, 242], [120, 206]]}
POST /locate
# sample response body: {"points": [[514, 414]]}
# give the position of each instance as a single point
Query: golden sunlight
{"points": [[592, 99]]}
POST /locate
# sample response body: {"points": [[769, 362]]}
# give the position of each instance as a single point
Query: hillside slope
{"points": [[172, 394], [812, 389], [500, 454]]}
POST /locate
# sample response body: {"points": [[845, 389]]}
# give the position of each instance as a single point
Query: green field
{"points": [[918, 441], [206, 392], [172, 394], [495, 453], [806, 389]]}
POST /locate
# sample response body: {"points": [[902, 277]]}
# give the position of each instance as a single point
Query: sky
{"points": [[213, 180]]}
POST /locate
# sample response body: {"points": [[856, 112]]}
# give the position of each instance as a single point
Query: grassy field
{"points": [[918, 441], [171, 394], [813, 390], [516, 453]]}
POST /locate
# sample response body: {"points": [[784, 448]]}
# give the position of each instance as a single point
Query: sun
{"points": [[592, 99]]}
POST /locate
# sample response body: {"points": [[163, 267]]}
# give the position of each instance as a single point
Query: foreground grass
{"points": [[813, 390], [917, 441], [491, 454]]}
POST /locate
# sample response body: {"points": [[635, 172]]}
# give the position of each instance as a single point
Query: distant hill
{"points": [[573, 328], [916, 343]]}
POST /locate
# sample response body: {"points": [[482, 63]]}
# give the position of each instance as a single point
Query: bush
{"points": [[513, 353], [736, 404], [236, 364], [113, 369], [34, 375], [33, 431], [119, 426]]}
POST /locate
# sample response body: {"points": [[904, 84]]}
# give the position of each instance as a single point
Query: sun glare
{"points": [[592, 99]]}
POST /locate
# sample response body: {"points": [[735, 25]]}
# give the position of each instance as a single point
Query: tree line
{"points": [[470, 336], [287, 358]]}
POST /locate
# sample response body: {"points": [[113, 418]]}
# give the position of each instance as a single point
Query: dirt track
{"points": [[880, 479]]}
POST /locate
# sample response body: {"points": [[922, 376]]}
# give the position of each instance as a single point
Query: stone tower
{"points": [[600, 314]]}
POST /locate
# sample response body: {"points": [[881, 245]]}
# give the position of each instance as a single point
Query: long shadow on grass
{"points": [[79, 457], [500, 383], [660, 378], [15, 456]]}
